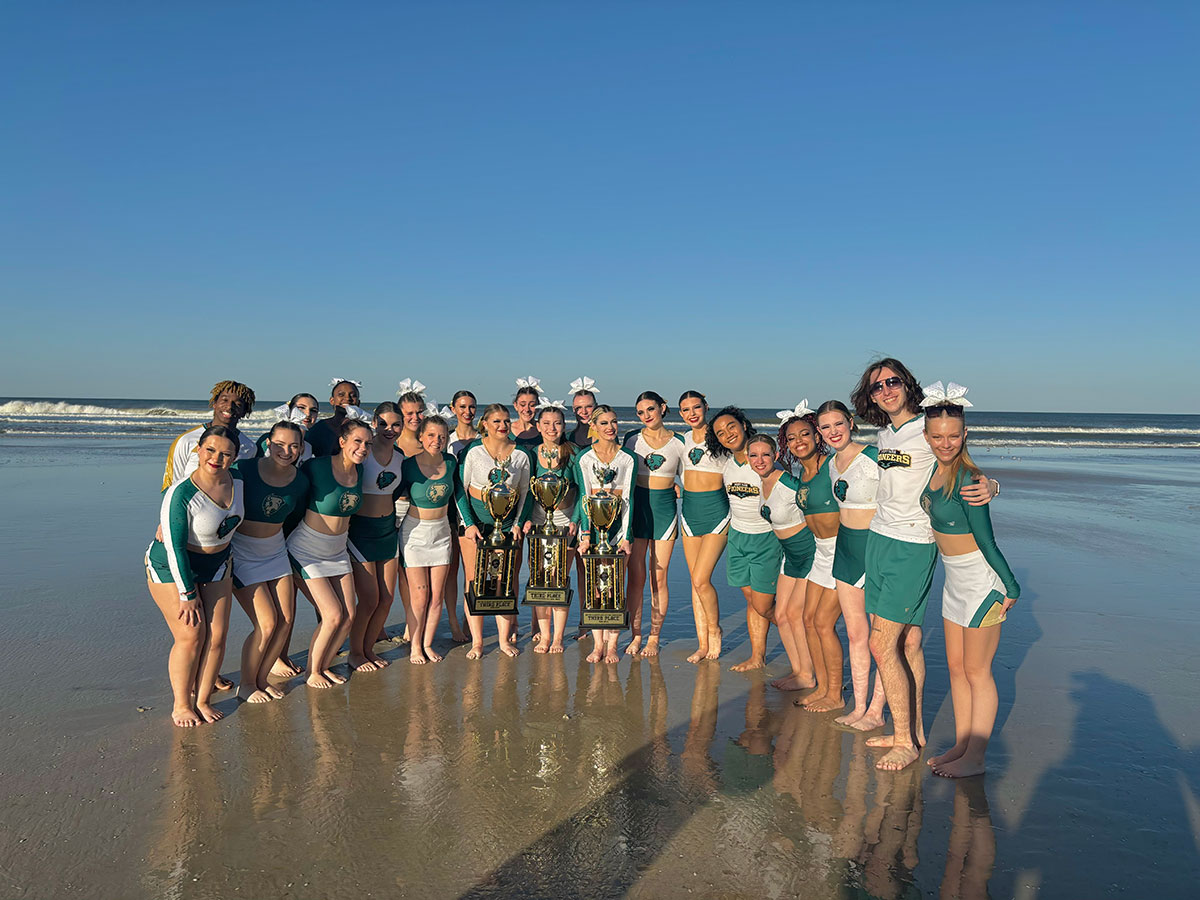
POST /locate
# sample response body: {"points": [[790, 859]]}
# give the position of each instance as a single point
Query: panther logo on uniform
{"points": [[926, 503], [695, 455], [230, 523], [349, 502], [496, 476], [802, 498], [437, 492], [385, 478], [765, 512], [839, 489], [272, 503], [654, 461]]}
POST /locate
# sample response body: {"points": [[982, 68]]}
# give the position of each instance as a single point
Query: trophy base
{"points": [[491, 606], [547, 596], [602, 600], [594, 619]]}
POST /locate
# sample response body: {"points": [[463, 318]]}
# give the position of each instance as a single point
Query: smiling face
{"points": [[606, 426], [227, 409], [344, 394], [835, 428], [286, 446], [887, 391], [761, 457], [356, 444], [464, 409], [651, 413], [583, 404], [526, 406], [388, 426], [434, 437], [310, 408], [412, 413], [215, 454], [497, 424], [801, 440], [693, 410], [551, 426], [730, 433], [946, 436]]}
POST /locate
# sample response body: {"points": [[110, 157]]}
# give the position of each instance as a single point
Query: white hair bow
{"points": [[410, 385], [530, 382], [284, 413], [337, 381], [799, 412], [431, 408], [547, 403], [950, 395], [357, 413], [448, 414], [583, 384]]}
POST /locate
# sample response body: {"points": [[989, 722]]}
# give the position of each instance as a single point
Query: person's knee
{"points": [[810, 618], [912, 640], [954, 664], [978, 672], [883, 646], [191, 638]]}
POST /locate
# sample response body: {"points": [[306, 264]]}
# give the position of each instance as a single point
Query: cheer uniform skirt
{"points": [[258, 559], [316, 555], [426, 542]]}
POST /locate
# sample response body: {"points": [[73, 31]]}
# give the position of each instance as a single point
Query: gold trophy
{"points": [[549, 579], [603, 603], [494, 590]]}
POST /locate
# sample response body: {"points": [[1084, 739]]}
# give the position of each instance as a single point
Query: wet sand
{"points": [[547, 777]]}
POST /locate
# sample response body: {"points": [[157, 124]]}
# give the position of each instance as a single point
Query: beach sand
{"points": [[547, 777]]}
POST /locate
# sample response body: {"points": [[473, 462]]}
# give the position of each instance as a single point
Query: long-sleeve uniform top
{"points": [[621, 477]]}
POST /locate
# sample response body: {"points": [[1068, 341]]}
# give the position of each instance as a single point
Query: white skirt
{"points": [[316, 555], [425, 542], [822, 567], [974, 594], [258, 559]]}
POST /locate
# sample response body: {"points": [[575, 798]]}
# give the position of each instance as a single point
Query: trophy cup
{"points": [[603, 602], [494, 590], [549, 583]]}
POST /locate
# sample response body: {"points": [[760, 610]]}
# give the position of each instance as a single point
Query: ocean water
{"points": [[83, 417]]}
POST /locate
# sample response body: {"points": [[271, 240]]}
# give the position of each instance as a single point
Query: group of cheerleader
{"points": [[815, 525]]}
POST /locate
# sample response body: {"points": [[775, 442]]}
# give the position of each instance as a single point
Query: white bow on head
{"points": [[357, 413], [285, 414], [337, 381], [582, 384], [547, 403], [431, 408], [950, 395], [448, 414], [799, 412], [530, 382], [410, 386]]}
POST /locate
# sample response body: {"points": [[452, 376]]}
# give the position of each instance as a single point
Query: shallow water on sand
{"points": [[547, 777]]}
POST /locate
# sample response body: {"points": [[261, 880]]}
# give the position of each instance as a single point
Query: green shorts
{"points": [[899, 575], [654, 514], [373, 538], [753, 560], [207, 568], [850, 557], [704, 512], [798, 553]]}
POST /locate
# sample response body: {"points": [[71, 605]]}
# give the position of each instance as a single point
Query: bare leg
{"points": [[887, 638], [406, 601], [960, 694], [259, 606], [418, 593], [469, 549], [559, 618], [759, 608], [183, 663], [610, 646], [789, 611], [326, 595], [283, 595], [635, 593], [816, 649], [437, 585], [701, 566], [979, 649], [283, 667], [507, 628], [660, 561], [858, 632], [366, 591], [828, 612], [217, 598], [387, 573], [541, 622], [450, 595]]}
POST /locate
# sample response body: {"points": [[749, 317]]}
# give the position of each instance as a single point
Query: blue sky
{"points": [[749, 199]]}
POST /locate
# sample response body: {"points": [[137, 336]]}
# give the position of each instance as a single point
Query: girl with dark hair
{"points": [[262, 573], [463, 405], [187, 572], [660, 461], [754, 553], [704, 520], [302, 410], [980, 586], [317, 546]]}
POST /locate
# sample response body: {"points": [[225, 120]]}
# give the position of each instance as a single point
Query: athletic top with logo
{"points": [[905, 464], [696, 457], [380, 479], [423, 491], [954, 515], [182, 460], [564, 514], [478, 470], [326, 495], [619, 476], [665, 461], [743, 486], [855, 488], [780, 508], [190, 516], [815, 496], [266, 502]]}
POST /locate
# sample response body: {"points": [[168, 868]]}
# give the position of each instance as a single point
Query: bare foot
{"points": [[431, 656], [897, 758], [888, 740], [276, 693], [963, 767], [556, 647], [459, 638], [285, 668], [317, 680], [335, 677], [714, 643], [595, 655], [635, 646], [222, 684], [825, 704], [509, 649], [794, 682], [361, 663], [612, 656], [533, 638], [186, 717], [754, 662], [579, 635], [651, 648], [947, 756], [380, 662], [255, 696], [209, 712], [416, 657], [476, 652], [541, 647], [701, 653]]}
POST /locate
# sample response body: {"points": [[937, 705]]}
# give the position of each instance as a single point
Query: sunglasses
{"points": [[945, 409], [891, 383]]}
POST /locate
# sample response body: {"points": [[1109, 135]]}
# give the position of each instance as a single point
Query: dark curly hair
{"points": [[786, 457], [866, 408], [715, 448]]}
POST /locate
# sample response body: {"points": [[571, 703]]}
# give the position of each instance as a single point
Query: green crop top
{"points": [[954, 515], [325, 494], [266, 502], [816, 496], [426, 492]]}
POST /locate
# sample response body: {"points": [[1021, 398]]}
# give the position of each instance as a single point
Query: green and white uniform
{"points": [[427, 542], [781, 510], [190, 518], [655, 512], [702, 512], [564, 513], [755, 553], [854, 489], [900, 551], [478, 470], [618, 476], [316, 555], [374, 538], [815, 496], [182, 460], [976, 582], [260, 559]]}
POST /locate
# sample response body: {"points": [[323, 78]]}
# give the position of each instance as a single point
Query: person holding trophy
{"points": [[493, 481], [551, 521], [606, 474]]}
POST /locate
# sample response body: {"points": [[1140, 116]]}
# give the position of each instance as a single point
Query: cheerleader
{"points": [[528, 396]]}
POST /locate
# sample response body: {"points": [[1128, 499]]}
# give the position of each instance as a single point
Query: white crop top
{"points": [[855, 488], [477, 465], [743, 486], [585, 467], [380, 479], [665, 461], [779, 508], [696, 457]]}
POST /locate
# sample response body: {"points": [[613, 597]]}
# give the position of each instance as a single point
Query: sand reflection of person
{"points": [[979, 591], [317, 546], [273, 489], [552, 455], [605, 465], [188, 573]]}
